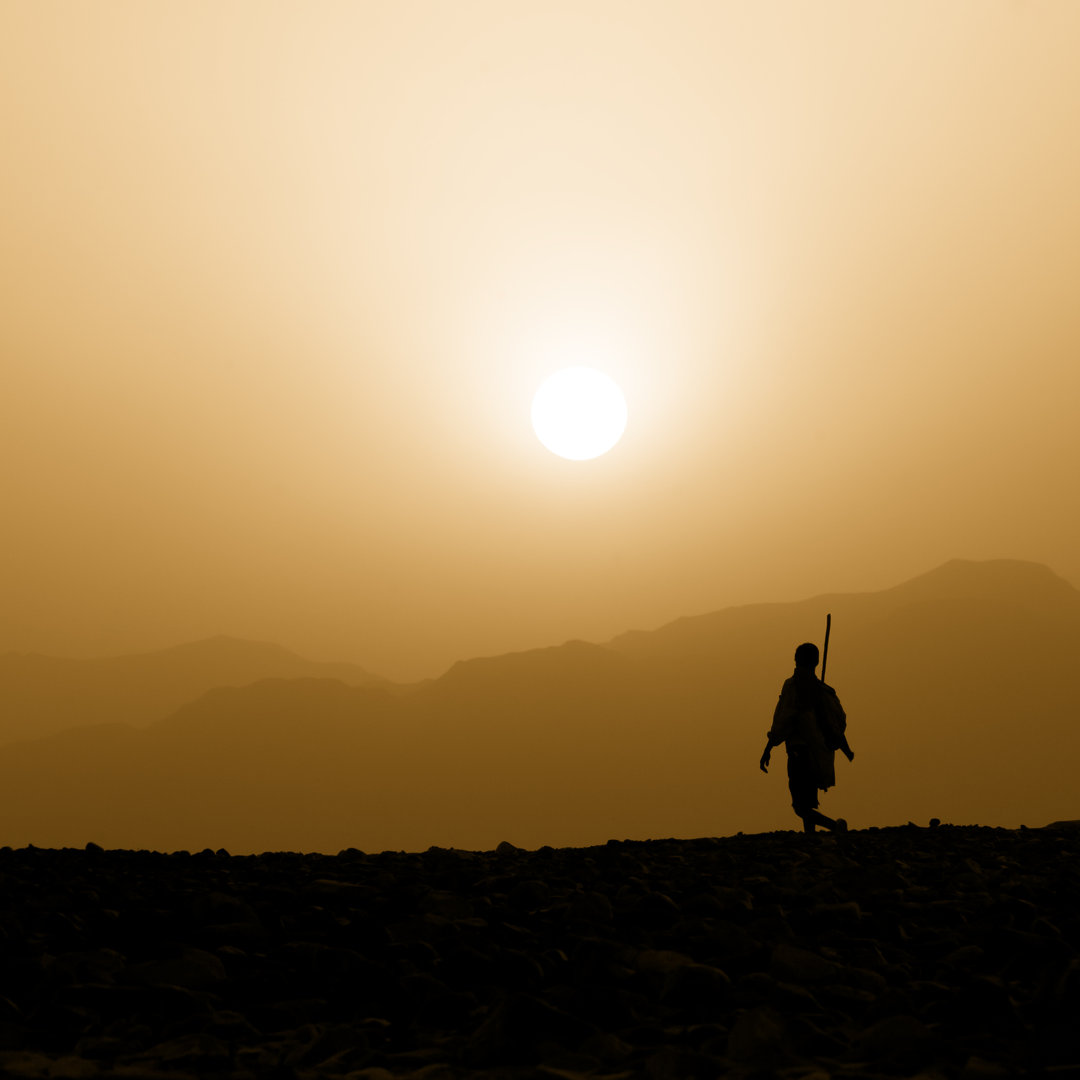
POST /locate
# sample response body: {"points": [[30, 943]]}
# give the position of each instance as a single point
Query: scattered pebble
{"points": [[951, 952]]}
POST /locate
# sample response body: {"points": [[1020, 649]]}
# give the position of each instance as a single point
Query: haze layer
{"points": [[279, 282]]}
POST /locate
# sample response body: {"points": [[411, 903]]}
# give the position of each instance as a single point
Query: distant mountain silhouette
{"points": [[958, 684], [40, 695], [1006, 583]]}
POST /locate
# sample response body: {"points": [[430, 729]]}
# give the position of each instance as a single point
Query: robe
{"points": [[810, 721]]}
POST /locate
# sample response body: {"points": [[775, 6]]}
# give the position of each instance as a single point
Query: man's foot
{"points": [[840, 825]]}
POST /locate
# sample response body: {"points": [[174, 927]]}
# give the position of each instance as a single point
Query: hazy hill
{"points": [[958, 685], [40, 695]]}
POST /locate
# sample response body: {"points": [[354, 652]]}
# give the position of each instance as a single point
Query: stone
{"points": [[976, 1068], [790, 963], [697, 989], [757, 1036], [900, 1038], [519, 1025], [189, 968]]}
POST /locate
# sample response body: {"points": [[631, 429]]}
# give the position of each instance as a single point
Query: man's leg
{"points": [[804, 796], [803, 787], [816, 817], [804, 803]]}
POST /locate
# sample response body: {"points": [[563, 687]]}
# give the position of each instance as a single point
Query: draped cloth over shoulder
{"points": [[810, 721]]}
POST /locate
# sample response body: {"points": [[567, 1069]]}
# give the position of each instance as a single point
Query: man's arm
{"points": [[781, 724], [763, 764]]}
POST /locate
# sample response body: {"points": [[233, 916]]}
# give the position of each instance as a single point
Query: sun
{"points": [[579, 413]]}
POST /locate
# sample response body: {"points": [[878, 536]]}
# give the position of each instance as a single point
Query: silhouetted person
{"points": [[810, 721]]}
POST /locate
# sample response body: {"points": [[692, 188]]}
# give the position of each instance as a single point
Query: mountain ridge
{"points": [[40, 694], [958, 578]]}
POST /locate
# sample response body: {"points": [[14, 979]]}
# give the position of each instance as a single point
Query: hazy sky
{"points": [[278, 281]]}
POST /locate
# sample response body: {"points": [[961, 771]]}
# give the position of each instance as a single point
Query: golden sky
{"points": [[278, 282]]}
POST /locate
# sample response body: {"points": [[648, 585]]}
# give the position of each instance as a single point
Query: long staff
{"points": [[825, 651]]}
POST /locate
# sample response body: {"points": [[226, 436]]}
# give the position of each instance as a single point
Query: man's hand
{"points": [[763, 764], [848, 753]]}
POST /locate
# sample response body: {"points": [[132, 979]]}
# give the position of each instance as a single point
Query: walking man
{"points": [[810, 721]]}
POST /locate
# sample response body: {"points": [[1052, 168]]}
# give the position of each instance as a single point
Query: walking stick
{"points": [[825, 651]]}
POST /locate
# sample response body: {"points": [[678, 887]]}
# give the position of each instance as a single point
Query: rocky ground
{"points": [[936, 952]]}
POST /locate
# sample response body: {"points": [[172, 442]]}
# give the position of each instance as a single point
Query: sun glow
{"points": [[579, 413]]}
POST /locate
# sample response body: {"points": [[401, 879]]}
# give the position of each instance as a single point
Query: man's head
{"points": [[806, 656]]}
